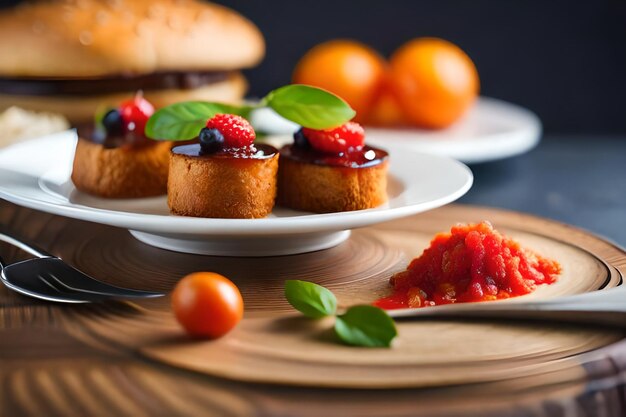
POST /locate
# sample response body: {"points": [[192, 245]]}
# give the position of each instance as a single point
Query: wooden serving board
{"points": [[275, 345]]}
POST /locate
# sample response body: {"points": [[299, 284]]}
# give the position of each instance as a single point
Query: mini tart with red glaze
{"points": [[232, 183], [213, 179], [126, 171], [117, 160], [331, 178]]}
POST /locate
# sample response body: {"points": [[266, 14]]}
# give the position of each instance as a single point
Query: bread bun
{"points": [[73, 56], [92, 38]]}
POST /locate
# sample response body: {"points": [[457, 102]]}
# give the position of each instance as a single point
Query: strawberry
{"points": [[345, 138], [237, 131]]}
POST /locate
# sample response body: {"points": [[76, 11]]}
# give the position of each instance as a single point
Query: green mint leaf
{"points": [[309, 106], [310, 299], [183, 121], [367, 326]]}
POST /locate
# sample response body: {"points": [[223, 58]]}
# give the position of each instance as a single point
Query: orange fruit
{"points": [[434, 81], [386, 110], [346, 68]]}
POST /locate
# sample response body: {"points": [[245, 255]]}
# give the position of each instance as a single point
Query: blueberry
{"points": [[113, 123], [211, 140], [300, 141]]}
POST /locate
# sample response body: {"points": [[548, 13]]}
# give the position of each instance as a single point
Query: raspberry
{"points": [[345, 138], [237, 131], [135, 114]]}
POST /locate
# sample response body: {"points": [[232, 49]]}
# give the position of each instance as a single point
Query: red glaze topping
{"points": [[247, 152], [471, 263], [366, 157], [110, 141]]}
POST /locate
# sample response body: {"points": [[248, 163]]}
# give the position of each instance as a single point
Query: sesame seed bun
{"points": [[91, 38], [73, 56]]}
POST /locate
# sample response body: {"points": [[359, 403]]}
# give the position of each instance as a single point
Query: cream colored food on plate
{"points": [[18, 124]]}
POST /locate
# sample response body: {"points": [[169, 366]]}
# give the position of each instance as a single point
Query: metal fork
{"points": [[47, 277]]}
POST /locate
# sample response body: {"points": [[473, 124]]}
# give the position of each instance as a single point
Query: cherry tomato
{"points": [[207, 304], [135, 113]]}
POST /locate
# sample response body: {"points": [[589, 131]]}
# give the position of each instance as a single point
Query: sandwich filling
{"points": [[181, 80]]}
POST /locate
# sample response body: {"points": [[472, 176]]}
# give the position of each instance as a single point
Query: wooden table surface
{"points": [[47, 370]]}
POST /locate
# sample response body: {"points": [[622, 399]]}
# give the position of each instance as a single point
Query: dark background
{"points": [[565, 60]]}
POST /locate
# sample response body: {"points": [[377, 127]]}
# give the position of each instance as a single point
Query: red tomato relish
{"points": [[471, 263]]}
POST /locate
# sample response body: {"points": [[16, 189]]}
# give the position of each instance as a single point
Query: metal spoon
{"points": [[604, 308]]}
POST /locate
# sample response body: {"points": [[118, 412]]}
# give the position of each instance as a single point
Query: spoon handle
{"points": [[598, 318], [602, 308]]}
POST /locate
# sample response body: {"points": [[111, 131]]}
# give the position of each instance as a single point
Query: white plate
{"points": [[492, 130], [36, 174]]}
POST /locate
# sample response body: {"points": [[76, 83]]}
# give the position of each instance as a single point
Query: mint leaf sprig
{"points": [[309, 106], [310, 299], [302, 104], [183, 121], [361, 325]]}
